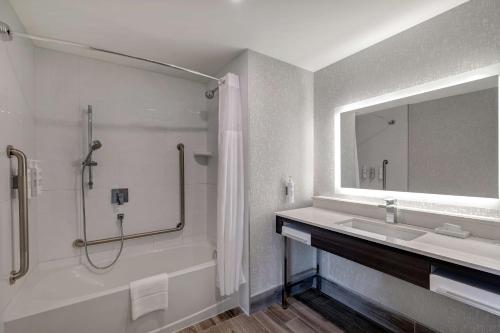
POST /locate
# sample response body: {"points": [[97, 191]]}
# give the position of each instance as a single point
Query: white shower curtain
{"points": [[350, 162], [355, 146], [230, 187]]}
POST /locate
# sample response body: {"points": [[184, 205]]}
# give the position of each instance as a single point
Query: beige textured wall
{"points": [[280, 109]]}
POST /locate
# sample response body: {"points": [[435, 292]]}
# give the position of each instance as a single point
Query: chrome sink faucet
{"points": [[391, 210]]}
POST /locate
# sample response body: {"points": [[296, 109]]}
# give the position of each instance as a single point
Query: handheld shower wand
{"points": [[96, 144], [88, 163]]}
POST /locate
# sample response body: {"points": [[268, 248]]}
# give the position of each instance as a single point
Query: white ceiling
{"points": [[206, 34]]}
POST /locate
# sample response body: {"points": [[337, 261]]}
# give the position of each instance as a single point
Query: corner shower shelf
{"points": [[204, 154]]}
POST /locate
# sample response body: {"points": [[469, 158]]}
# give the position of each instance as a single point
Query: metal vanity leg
{"points": [[284, 301], [318, 276]]}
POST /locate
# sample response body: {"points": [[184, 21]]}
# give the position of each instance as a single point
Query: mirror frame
{"points": [[393, 99]]}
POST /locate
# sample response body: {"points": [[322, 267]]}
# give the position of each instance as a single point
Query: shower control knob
{"points": [[119, 196]]}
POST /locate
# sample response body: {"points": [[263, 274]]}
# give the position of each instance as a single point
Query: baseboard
{"points": [[297, 283]]}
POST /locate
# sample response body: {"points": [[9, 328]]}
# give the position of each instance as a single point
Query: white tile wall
{"points": [[16, 128], [139, 116]]}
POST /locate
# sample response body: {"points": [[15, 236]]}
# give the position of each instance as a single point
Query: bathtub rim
{"points": [[10, 315]]}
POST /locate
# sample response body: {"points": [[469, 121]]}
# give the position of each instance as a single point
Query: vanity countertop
{"points": [[477, 253]]}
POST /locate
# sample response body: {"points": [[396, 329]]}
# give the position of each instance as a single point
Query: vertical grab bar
{"points": [[22, 187], [182, 187], [384, 174]]}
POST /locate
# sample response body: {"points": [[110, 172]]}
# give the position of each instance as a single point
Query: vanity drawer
{"points": [[404, 265]]}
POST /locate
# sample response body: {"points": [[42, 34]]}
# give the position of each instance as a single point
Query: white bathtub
{"points": [[75, 299]]}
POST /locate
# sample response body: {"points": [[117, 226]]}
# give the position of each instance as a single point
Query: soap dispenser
{"points": [[290, 191]]}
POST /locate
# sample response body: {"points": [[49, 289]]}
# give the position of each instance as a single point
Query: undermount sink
{"points": [[387, 230]]}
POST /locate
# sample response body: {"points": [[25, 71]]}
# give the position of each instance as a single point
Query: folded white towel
{"points": [[148, 295]]}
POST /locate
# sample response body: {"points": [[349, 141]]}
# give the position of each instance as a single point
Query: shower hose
{"points": [[84, 215]]}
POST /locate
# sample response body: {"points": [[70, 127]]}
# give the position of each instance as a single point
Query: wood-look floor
{"points": [[298, 318]]}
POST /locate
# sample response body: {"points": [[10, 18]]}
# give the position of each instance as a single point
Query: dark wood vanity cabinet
{"points": [[401, 264], [462, 283], [404, 265]]}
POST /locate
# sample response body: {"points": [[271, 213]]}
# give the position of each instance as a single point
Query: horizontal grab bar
{"points": [[81, 243], [22, 189]]}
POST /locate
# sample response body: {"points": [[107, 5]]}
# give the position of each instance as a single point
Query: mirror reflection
{"points": [[442, 142]]}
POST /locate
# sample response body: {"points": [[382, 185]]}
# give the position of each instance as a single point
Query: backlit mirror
{"points": [[444, 141]]}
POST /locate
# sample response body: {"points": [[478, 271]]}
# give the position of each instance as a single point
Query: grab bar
{"points": [[20, 183], [384, 174], [81, 243]]}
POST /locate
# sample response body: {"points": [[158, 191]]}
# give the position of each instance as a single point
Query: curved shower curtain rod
{"points": [[6, 34]]}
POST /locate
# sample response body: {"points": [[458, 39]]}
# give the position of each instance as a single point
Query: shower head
{"points": [[210, 94], [96, 144]]}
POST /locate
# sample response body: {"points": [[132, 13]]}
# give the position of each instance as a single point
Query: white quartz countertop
{"points": [[478, 253]]}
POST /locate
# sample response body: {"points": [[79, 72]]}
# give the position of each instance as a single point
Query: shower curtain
{"points": [[350, 162], [230, 187], [355, 147]]}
